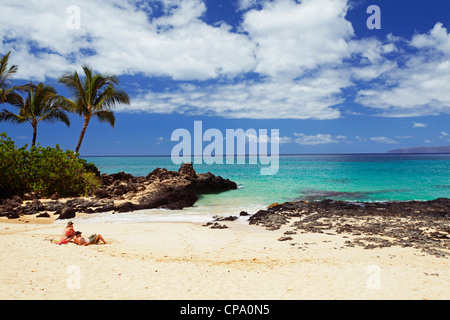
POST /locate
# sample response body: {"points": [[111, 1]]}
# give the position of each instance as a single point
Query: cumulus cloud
{"points": [[278, 42], [118, 37], [292, 38], [286, 59], [418, 87], [125, 37], [309, 98], [319, 138]]}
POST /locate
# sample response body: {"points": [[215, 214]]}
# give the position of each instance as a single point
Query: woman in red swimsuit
{"points": [[68, 233]]}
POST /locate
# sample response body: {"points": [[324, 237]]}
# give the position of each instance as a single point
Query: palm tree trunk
{"points": [[33, 143], [83, 131]]}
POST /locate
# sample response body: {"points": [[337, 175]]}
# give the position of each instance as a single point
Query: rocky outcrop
{"points": [[209, 183], [161, 188], [122, 192], [419, 224]]}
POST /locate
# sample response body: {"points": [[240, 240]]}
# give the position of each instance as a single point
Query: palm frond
{"points": [[75, 85], [110, 98], [54, 115], [14, 99], [65, 104], [106, 116], [8, 95], [6, 73], [25, 87], [7, 116]]}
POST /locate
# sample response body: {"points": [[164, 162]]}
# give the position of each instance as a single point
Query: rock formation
{"points": [[122, 192], [419, 224]]}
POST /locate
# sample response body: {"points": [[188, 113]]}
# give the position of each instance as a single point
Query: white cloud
{"points": [[119, 38], [419, 86], [372, 71], [317, 139], [419, 125], [281, 40], [437, 39], [383, 140], [311, 98], [303, 55], [292, 37], [370, 59], [243, 5], [262, 138], [445, 135]]}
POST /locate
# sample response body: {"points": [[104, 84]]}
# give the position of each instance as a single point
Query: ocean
{"points": [[349, 177]]}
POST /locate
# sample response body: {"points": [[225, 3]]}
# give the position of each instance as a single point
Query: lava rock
{"points": [[43, 215], [67, 213]]}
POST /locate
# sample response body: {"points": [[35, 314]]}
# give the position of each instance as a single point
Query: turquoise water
{"points": [[381, 177]]}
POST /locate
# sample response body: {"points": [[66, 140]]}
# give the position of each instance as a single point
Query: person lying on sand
{"points": [[93, 239]]}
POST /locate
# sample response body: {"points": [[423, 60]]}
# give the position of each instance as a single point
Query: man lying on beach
{"points": [[93, 239]]}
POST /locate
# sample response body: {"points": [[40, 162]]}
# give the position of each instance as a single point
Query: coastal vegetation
{"points": [[51, 170], [44, 170]]}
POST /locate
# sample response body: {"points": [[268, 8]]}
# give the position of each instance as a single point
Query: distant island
{"points": [[444, 149]]}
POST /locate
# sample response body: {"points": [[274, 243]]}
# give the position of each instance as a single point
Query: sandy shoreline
{"points": [[189, 261]]}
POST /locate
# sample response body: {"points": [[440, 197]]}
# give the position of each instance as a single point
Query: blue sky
{"points": [[310, 68]]}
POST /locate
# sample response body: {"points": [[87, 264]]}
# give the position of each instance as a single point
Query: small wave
{"points": [[140, 216], [196, 214]]}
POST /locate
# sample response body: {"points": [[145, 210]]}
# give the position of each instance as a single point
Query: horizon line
{"points": [[284, 154]]}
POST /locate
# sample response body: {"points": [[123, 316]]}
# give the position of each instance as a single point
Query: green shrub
{"points": [[45, 170]]}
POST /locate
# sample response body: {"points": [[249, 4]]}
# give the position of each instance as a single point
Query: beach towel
{"points": [[60, 242]]}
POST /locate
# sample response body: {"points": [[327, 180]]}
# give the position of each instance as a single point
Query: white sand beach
{"points": [[190, 261]]}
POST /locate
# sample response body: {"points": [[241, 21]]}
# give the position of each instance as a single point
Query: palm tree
{"points": [[94, 96], [6, 91], [41, 104]]}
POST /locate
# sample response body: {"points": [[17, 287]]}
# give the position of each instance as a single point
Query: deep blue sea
{"points": [[367, 177]]}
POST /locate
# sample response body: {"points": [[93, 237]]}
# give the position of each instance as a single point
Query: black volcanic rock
{"points": [[125, 207], [187, 170], [173, 198], [269, 219], [161, 174], [209, 183], [424, 225], [161, 188], [67, 213]]}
